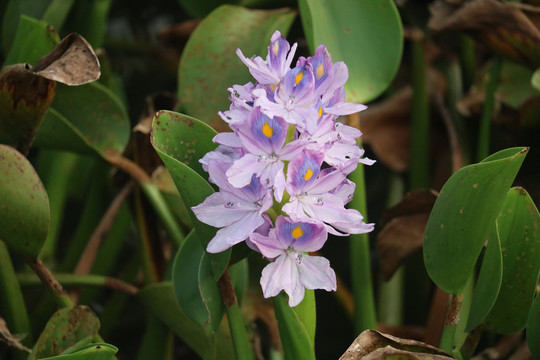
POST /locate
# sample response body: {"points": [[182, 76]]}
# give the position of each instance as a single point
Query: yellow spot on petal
{"points": [[298, 78], [267, 130], [297, 232], [308, 174], [320, 111], [320, 71], [276, 48]]}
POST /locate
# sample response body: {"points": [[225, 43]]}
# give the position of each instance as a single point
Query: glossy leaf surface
{"points": [[24, 204], [209, 65], [518, 224], [367, 35], [86, 119], [463, 214], [181, 141]]}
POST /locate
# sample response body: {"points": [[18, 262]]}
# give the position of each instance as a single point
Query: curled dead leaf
{"points": [[372, 345], [403, 231], [10, 339], [71, 62]]}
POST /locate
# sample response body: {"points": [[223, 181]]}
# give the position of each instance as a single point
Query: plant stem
{"points": [[487, 111], [241, 343], [450, 325], [360, 259], [48, 279], [12, 301], [468, 60], [365, 316], [419, 158], [83, 280]]}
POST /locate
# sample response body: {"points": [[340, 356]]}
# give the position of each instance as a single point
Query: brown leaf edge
{"points": [[372, 344], [71, 62]]}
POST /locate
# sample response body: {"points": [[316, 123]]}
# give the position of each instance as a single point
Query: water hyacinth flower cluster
{"points": [[282, 171]]}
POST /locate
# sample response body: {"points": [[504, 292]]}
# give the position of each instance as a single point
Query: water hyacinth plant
{"points": [[286, 120], [180, 179]]}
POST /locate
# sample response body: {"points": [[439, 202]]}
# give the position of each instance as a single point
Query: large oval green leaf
{"points": [[209, 65], [65, 328], [181, 141], [185, 279], [463, 214], [518, 224], [86, 119], [366, 34], [24, 204]]}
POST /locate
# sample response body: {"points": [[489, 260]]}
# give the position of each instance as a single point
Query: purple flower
{"points": [[294, 99], [312, 198], [278, 61], [238, 212], [292, 269], [263, 139]]}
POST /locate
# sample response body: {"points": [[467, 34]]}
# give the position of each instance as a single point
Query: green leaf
{"points": [[97, 351], [24, 204], [211, 296], [185, 274], [518, 224], [34, 39], [463, 214], [533, 328], [181, 141], [367, 35], [535, 79], [160, 299], [307, 313], [11, 18], [87, 119], [209, 64], [65, 328], [294, 336], [488, 283]]}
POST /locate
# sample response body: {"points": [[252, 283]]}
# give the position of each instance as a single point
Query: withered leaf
{"points": [[386, 127], [372, 344], [71, 62], [508, 29], [10, 339], [403, 232]]}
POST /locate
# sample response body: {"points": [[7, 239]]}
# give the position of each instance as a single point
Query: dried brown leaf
{"points": [[71, 62], [507, 29], [403, 232], [372, 344], [10, 339], [386, 127]]}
